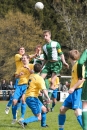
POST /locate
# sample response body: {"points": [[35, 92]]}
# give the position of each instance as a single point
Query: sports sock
{"points": [[14, 108], [84, 119], [19, 104], [30, 119], [43, 120], [23, 110], [79, 118], [53, 105], [61, 121], [10, 101]]}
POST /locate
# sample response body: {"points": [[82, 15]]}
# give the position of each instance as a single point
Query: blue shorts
{"points": [[54, 94], [16, 83], [73, 101], [34, 104], [20, 90]]}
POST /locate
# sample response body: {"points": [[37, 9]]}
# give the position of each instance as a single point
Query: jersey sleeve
{"points": [[81, 62], [42, 84], [59, 49], [17, 57]]}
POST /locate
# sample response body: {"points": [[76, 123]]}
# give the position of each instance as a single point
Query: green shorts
{"points": [[84, 91], [52, 67]]}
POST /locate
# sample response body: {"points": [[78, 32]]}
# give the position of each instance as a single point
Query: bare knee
{"points": [[14, 102], [63, 110], [44, 109]]}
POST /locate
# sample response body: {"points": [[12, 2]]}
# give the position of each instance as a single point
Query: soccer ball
{"points": [[39, 6]]}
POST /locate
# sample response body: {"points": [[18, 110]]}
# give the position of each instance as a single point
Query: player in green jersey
{"points": [[83, 60]]}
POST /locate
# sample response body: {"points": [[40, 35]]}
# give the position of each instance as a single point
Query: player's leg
{"points": [[78, 113], [23, 103], [43, 115], [62, 116], [84, 115], [55, 68], [84, 105], [53, 78], [23, 107], [54, 97], [9, 104], [77, 104], [14, 103], [33, 104]]}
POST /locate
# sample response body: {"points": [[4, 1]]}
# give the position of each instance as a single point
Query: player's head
{"points": [[74, 54], [21, 50], [47, 35], [37, 68], [38, 48], [25, 59]]}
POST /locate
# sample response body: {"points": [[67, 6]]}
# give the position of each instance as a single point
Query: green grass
{"points": [[70, 124]]}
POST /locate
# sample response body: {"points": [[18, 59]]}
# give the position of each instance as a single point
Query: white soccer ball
{"points": [[39, 6]]}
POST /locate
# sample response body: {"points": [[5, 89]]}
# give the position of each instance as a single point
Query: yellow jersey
{"points": [[23, 79], [18, 61], [74, 76], [56, 83], [36, 84]]}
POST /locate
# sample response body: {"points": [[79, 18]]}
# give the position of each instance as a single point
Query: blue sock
{"points": [[30, 119], [61, 121], [10, 101], [79, 118], [53, 105], [23, 110], [43, 120], [19, 105], [14, 108]]}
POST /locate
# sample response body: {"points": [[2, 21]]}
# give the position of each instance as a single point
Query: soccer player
{"points": [[52, 92], [18, 63], [73, 101], [53, 56], [81, 62], [23, 74], [35, 85], [38, 57]]}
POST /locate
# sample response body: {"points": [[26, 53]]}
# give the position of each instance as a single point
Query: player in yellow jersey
{"points": [[18, 63], [53, 93], [35, 85], [73, 101], [23, 74]]}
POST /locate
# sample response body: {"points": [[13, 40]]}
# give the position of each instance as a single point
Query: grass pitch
{"points": [[70, 124]]}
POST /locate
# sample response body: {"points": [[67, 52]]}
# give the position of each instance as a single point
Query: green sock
{"points": [[84, 120]]}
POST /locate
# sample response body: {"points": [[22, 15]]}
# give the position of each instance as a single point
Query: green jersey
{"points": [[82, 60], [52, 51]]}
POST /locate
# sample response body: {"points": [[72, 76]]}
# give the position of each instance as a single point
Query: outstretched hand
{"points": [[67, 65]]}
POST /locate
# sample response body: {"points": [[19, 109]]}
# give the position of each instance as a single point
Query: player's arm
{"points": [[63, 60], [46, 94], [18, 57], [62, 56], [29, 69], [18, 74]]}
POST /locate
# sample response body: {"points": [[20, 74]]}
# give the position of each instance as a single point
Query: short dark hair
{"points": [[37, 68]]}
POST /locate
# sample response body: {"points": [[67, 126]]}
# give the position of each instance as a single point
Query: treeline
{"points": [[21, 24]]}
